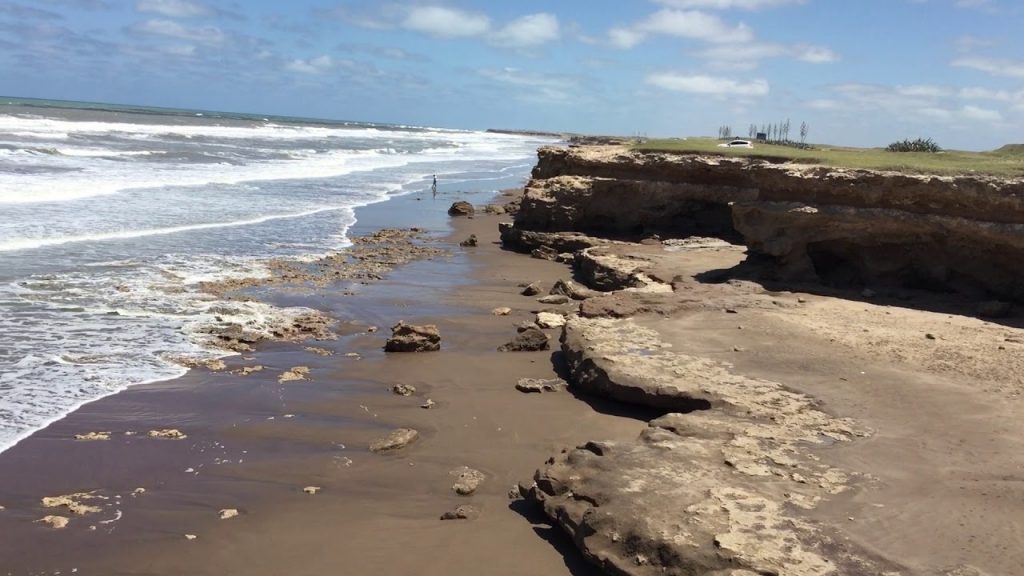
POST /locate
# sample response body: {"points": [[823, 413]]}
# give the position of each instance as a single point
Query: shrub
{"points": [[919, 145]]}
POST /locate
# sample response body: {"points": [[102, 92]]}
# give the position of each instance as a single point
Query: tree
{"points": [[803, 132]]}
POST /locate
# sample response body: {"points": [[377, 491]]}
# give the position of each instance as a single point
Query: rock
{"points": [[73, 502], [403, 389], [409, 338], [190, 537], [502, 311], [550, 320], [428, 404], [555, 300], [496, 209], [296, 373], [930, 336], [247, 370], [55, 522], [467, 480], [167, 434], [544, 253], [525, 325], [396, 440], [319, 351], [572, 290], [994, 309], [462, 512], [311, 490], [93, 436], [372, 329], [461, 208], [537, 385], [529, 340], [470, 242], [227, 513], [138, 492], [532, 289]]}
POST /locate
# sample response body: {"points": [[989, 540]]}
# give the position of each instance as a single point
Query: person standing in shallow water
{"points": [[433, 188]]}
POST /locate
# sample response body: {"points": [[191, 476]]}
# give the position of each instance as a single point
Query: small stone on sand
{"points": [[167, 434], [467, 480], [245, 371], [190, 536], [138, 492], [55, 522], [463, 512], [296, 373], [228, 513], [311, 490], [532, 289], [396, 440], [554, 299], [428, 404], [92, 436], [501, 311], [319, 351], [404, 389]]}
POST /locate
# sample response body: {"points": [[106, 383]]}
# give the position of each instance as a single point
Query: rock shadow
{"points": [[836, 279], [558, 539]]}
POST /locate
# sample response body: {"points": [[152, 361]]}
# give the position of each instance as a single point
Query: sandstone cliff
{"points": [[843, 227]]}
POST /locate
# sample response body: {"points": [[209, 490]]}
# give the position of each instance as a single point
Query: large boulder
{"points": [[410, 338], [461, 208]]}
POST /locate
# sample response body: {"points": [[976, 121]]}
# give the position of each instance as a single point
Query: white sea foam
{"points": [[26, 243], [106, 228]]}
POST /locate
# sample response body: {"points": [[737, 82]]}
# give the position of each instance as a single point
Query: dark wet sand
{"points": [[253, 444]]}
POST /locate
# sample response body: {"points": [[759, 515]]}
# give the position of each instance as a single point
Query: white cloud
{"points": [[993, 66], [530, 30], [981, 114], [727, 4], [317, 65], [692, 24], [703, 84], [442, 22], [543, 88], [174, 8], [746, 56], [815, 54], [171, 29]]}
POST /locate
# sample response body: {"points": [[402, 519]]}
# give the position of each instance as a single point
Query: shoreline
{"points": [[240, 457]]}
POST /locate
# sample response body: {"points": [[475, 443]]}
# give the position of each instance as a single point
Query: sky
{"points": [[858, 72]]}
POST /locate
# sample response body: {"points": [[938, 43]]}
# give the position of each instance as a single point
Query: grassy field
{"points": [[1008, 161]]}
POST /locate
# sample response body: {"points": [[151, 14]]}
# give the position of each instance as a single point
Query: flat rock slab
{"points": [[410, 338], [537, 385], [550, 320], [529, 340], [396, 440], [719, 490]]}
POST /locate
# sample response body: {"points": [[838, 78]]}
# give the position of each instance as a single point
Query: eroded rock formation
{"points": [[841, 227]]}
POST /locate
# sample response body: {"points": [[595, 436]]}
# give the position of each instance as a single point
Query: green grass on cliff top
{"points": [[1007, 161]]}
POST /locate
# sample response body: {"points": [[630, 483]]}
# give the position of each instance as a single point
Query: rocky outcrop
{"points": [[721, 489], [842, 227]]}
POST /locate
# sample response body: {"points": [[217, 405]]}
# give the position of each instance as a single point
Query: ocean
{"points": [[110, 216]]}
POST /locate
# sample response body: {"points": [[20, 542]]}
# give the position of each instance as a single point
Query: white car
{"points": [[736, 144]]}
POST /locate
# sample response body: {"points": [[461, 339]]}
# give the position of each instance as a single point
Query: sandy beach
{"points": [[253, 443], [721, 424]]}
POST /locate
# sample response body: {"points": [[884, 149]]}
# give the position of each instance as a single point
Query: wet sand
{"points": [[253, 444]]}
